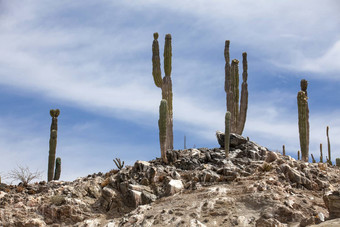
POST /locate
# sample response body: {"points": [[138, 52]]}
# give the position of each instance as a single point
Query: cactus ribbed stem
{"points": [[53, 143], [303, 113], [227, 133], [329, 147], [321, 158], [57, 169], [162, 124], [156, 64]]}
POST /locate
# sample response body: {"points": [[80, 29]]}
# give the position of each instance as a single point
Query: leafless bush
{"points": [[23, 174]]}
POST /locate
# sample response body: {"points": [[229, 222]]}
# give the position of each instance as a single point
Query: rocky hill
{"points": [[199, 187]]}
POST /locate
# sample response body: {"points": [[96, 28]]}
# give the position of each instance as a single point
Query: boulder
{"points": [[174, 186], [235, 139]]}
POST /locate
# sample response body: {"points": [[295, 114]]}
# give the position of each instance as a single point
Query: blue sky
{"points": [[92, 60]]}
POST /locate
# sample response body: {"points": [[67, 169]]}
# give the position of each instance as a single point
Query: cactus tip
{"points": [[155, 35]]}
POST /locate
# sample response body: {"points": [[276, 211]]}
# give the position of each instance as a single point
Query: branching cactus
{"points": [[303, 112], [227, 133], [166, 83], [57, 169], [231, 87], [162, 124], [53, 143], [329, 147], [321, 158]]}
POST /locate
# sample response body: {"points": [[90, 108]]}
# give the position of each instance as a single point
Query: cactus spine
{"points": [[231, 87], [283, 150], [162, 124], [227, 133], [321, 158], [329, 147], [57, 169], [166, 83], [303, 112], [53, 143]]}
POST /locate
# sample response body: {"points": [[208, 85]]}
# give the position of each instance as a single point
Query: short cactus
{"points": [[231, 87], [166, 83], [337, 161], [227, 133], [162, 124], [57, 169], [303, 113], [283, 150], [321, 158], [298, 155]]}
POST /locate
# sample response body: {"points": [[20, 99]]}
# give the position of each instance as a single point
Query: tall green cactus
{"points": [[231, 87], [57, 169], [166, 83], [53, 143], [227, 133], [162, 124], [329, 147], [303, 112]]}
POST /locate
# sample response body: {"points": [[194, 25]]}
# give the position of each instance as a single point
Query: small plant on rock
{"points": [[266, 167], [24, 175], [118, 163]]}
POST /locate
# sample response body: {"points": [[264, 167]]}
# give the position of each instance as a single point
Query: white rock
{"points": [[174, 186]]}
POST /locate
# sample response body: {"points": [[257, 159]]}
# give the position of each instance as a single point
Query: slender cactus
{"points": [[313, 159], [162, 124], [166, 83], [57, 169], [298, 155], [329, 147], [303, 113], [185, 142], [231, 87], [321, 158], [53, 143], [283, 150], [227, 133]]}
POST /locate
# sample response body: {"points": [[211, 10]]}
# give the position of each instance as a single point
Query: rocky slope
{"points": [[199, 187]]}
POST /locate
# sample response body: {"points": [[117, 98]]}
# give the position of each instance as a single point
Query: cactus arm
{"points": [[244, 97], [227, 133], [156, 64], [167, 55], [118, 163], [162, 124], [57, 169]]}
